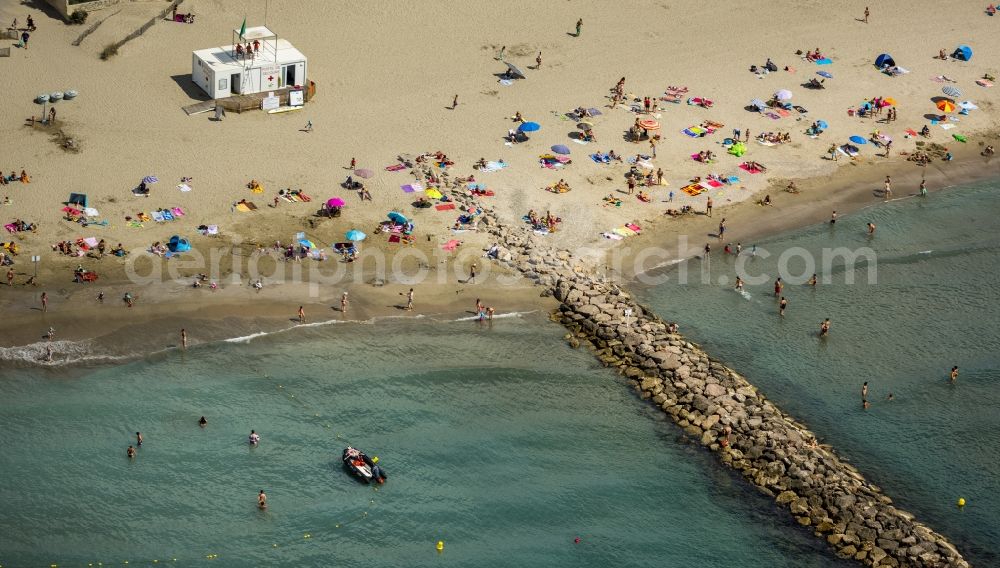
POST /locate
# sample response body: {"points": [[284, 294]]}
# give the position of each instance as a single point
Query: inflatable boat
{"points": [[361, 466]]}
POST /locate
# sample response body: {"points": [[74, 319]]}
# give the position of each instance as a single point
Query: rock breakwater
{"points": [[719, 408]]}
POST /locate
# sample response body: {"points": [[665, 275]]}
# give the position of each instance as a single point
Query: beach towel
{"points": [[713, 183], [393, 238], [772, 116], [847, 151], [746, 168], [445, 207], [580, 142], [801, 109], [947, 126], [732, 180], [177, 211], [984, 83], [135, 224], [693, 189], [783, 112], [411, 187], [10, 228], [158, 216], [494, 166], [451, 245], [91, 212], [594, 112], [765, 143], [612, 236], [601, 158], [824, 61], [91, 242], [634, 227], [695, 131], [167, 215], [184, 187], [395, 168], [242, 207]]}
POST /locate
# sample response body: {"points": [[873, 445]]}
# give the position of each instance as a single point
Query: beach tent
{"points": [[884, 60], [77, 199], [963, 53], [178, 244]]}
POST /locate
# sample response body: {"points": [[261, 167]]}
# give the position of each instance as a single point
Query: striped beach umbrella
{"points": [[149, 179], [951, 91]]}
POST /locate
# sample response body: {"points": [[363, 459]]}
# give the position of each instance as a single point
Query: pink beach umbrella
{"points": [[335, 202]]}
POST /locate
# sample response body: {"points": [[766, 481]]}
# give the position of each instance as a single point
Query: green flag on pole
{"points": [[243, 28]]}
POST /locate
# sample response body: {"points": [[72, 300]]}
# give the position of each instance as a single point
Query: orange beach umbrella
{"points": [[649, 124], [946, 105]]}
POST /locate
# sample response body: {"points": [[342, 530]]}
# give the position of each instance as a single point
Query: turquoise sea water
{"points": [[934, 306], [500, 441]]}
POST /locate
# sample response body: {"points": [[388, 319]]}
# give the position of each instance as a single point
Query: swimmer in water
{"points": [[138, 439], [131, 452], [262, 500], [739, 284], [254, 438], [782, 305], [812, 281], [923, 188], [864, 391], [202, 422], [871, 228], [954, 373], [824, 328]]}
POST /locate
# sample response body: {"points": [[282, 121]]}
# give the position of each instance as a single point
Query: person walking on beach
{"points": [[10, 277], [866, 15], [409, 301], [500, 55], [708, 250], [781, 306], [824, 328], [472, 274], [302, 314], [888, 145], [45, 302], [708, 207], [184, 338], [722, 228], [262, 500], [138, 440], [652, 146], [954, 373], [579, 26], [309, 126], [887, 192], [778, 286], [739, 284], [343, 303], [833, 152], [454, 103], [538, 61]]}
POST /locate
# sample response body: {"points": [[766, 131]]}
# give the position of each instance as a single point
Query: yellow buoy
{"points": [[440, 545], [375, 459], [961, 501]]}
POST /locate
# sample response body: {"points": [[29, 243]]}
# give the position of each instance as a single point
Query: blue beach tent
{"points": [[883, 60], [178, 244], [963, 53]]}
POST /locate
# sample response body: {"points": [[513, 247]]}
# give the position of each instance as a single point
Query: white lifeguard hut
{"points": [[227, 70]]}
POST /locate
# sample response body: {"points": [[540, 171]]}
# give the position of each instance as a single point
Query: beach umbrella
{"points": [[149, 179], [529, 127], [355, 235], [397, 217], [585, 126], [433, 193], [560, 149], [951, 91], [946, 105], [783, 95], [888, 101], [307, 243], [514, 71], [363, 173], [758, 104], [822, 124], [335, 202], [858, 139], [826, 74], [649, 124]]}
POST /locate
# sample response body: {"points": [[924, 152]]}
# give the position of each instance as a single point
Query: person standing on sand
{"points": [[866, 15], [579, 26], [824, 328], [887, 192], [472, 274], [454, 103], [309, 126], [409, 301], [538, 61], [302, 314], [343, 303], [652, 146], [708, 207], [500, 55], [954, 373], [45, 302], [722, 228], [833, 152], [10, 277], [708, 250], [781, 306], [184, 338], [923, 187]]}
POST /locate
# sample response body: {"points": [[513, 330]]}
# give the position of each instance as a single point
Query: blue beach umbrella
{"points": [[560, 149], [307, 243], [149, 179], [529, 127], [355, 235], [826, 74], [822, 124], [397, 218], [858, 140]]}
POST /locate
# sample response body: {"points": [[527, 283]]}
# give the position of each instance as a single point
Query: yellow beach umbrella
{"points": [[946, 105], [433, 193], [889, 101]]}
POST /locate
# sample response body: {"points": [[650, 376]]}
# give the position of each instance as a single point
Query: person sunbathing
{"points": [[988, 151], [24, 177], [643, 196], [765, 201]]}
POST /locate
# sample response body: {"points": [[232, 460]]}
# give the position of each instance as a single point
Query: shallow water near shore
{"points": [[500, 441], [934, 306]]}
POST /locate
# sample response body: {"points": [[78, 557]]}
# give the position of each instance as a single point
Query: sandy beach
{"points": [[387, 93]]}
